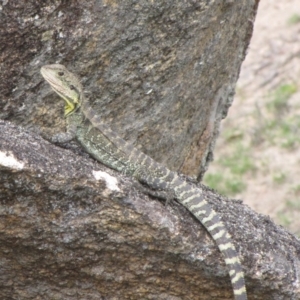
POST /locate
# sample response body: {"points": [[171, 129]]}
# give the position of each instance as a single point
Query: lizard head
{"points": [[65, 84]]}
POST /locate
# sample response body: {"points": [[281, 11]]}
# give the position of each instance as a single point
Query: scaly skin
{"points": [[107, 147]]}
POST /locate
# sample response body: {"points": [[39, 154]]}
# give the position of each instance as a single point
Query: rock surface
{"points": [[162, 73], [72, 229]]}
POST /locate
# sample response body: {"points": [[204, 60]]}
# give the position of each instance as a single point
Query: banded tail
{"points": [[159, 177], [192, 198], [148, 171], [107, 147]]}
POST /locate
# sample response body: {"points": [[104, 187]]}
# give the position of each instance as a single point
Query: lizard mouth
{"points": [[71, 104]]}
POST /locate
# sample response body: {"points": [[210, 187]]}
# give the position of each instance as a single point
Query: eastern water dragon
{"points": [[110, 149]]}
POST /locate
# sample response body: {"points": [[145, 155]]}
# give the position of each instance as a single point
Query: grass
{"points": [[239, 161], [293, 204], [296, 190], [234, 166], [285, 132], [279, 178], [293, 19], [276, 123], [234, 134], [288, 216], [225, 184], [277, 127], [280, 96], [283, 219]]}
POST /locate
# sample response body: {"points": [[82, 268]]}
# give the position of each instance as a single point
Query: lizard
{"points": [[107, 147]]}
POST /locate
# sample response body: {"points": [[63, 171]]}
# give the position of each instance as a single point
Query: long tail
{"points": [[159, 177], [194, 201]]}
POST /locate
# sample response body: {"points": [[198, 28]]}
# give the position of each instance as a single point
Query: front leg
{"points": [[67, 136]]}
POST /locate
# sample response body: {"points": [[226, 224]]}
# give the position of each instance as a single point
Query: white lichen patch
{"points": [[9, 161], [111, 182]]}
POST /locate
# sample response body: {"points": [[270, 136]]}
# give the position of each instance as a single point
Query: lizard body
{"points": [[110, 149]]}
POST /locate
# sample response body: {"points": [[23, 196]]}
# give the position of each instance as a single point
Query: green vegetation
{"points": [[239, 161], [280, 97], [226, 185], [235, 165], [234, 134], [278, 128], [285, 132], [283, 219], [279, 178], [275, 123], [296, 190], [293, 19], [288, 216], [293, 204]]}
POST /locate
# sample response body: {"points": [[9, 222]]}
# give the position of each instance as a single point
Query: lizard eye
{"points": [[61, 73], [72, 87]]}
